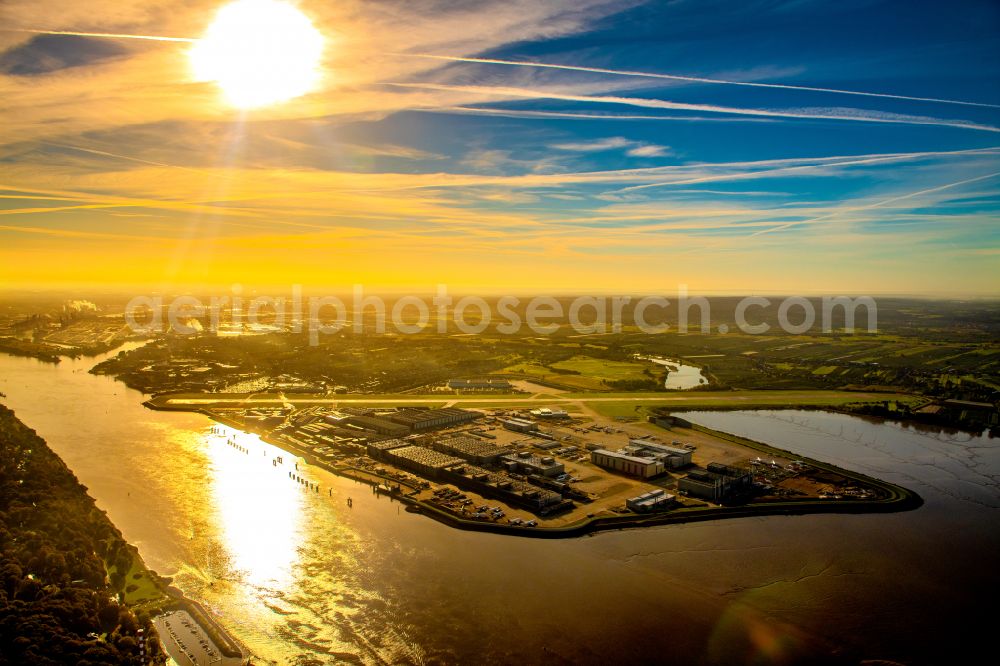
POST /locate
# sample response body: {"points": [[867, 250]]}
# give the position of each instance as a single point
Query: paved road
{"points": [[760, 397]]}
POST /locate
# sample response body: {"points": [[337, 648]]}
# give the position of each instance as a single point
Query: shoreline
{"points": [[897, 498], [136, 588]]}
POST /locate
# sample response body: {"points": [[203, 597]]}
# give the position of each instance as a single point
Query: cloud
{"points": [[632, 148], [395, 150], [689, 79], [154, 84], [497, 161], [649, 150], [806, 166], [880, 204], [259, 201], [566, 115], [838, 114], [597, 145], [46, 53]]}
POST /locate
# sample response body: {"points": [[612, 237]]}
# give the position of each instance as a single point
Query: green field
{"points": [[583, 372], [601, 368], [140, 586]]}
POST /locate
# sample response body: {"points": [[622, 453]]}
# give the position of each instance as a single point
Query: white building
{"points": [[672, 456], [526, 463], [654, 500], [644, 468], [519, 425], [547, 413]]}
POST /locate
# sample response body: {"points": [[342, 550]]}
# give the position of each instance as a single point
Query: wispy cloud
{"points": [[395, 150], [838, 114], [848, 209], [568, 115], [649, 150], [631, 148], [597, 145], [792, 167], [689, 79], [153, 82]]}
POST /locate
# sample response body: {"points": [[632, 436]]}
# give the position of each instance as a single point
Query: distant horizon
{"points": [[83, 291]]}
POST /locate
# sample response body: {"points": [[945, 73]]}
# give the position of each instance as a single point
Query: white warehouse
{"points": [[644, 468]]}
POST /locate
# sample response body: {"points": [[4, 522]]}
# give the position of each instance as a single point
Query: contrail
{"points": [[524, 113], [822, 163], [643, 102], [877, 204], [546, 65], [689, 79], [121, 157], [105, 35]]}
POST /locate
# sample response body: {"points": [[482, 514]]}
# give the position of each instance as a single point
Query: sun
{"points": [[259, 52]]}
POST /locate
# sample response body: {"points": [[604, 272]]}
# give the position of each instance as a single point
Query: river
{"points": [[301, 578]]}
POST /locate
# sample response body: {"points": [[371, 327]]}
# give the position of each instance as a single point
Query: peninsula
{"points": [[548, 465]]}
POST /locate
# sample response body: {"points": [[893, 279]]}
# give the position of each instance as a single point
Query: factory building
{"points": [[654, 500], [519, 425], [717, 483], [525, 463], [337, 418], [673, 457], [487, 384], [470, 448], [428, 419], [424, 461], [644, 468], [266, 417], [546, 413], [377, 450], [377, 424], [505, 489]]}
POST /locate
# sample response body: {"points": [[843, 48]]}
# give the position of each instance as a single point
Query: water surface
{"points": [[679, 375]]}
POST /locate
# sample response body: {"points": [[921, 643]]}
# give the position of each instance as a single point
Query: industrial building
{"points": [[654, 500], [519, 425], [673, 457], [505, 489], [427, 462], [337, 418], [428, 419], [525, 463], [377, 450], [716, 483], [470, 448], [546, 413], [644, 468], [487, 384], [266, 417], [377, 424]]}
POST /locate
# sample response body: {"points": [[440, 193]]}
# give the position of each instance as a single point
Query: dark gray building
{"points": [[717, 483]]}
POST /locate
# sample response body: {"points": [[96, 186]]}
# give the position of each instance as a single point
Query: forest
{"points": [[61, 587]]}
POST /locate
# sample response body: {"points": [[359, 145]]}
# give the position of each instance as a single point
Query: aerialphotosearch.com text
{"points": [[507, 315]]}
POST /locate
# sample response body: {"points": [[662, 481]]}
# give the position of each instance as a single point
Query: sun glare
{"points": [[259, 52]]}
